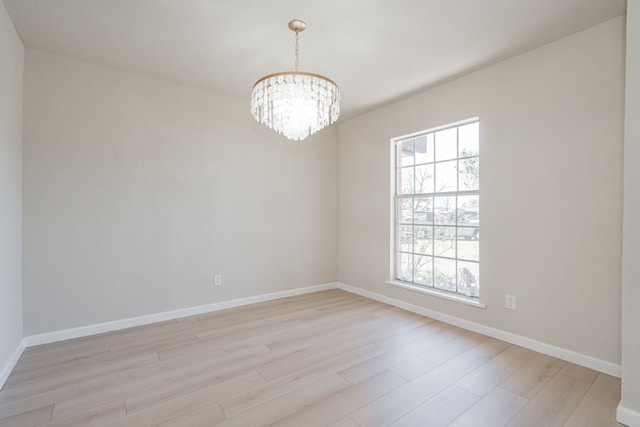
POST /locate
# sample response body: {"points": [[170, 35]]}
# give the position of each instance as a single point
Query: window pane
{"points": [[424, 149], [469, 173], [468, 243], [446, 144], [444, 242], [445, 210], [469, 140], [470, 207], [405, 210], [423, 240], [423, 210], [423, 270], [405, 238], [405, 267], [405, 180], [444, 274], [446, 176], [469, 278], [406, 150], [424, 179]]}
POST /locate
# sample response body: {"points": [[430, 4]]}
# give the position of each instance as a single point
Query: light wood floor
{"points": [[324, 359]]}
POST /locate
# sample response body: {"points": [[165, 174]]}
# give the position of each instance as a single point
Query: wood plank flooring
{"points": [[323, 359]]}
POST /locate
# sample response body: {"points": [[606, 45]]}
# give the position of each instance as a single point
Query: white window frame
{"points": [[393, 279]]}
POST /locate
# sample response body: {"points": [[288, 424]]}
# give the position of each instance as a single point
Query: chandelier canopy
{"points": [[295, 104]]}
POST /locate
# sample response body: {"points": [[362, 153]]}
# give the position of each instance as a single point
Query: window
{"points": [[436, 201]]}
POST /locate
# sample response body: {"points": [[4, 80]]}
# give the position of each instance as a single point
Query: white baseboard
{"points": [[116, 325], [627, 416], [551, 350], [548, 349], [6, 371]]}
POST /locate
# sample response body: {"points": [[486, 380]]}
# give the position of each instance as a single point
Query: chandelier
{"points": [[294, 103]]}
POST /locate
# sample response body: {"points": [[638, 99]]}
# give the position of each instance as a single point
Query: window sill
{"points": [[440, 294]]}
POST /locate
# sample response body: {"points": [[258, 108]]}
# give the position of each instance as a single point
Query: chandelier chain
{"points": [[297, 51]]}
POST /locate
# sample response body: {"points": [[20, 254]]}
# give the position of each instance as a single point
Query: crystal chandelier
{"points": [[294, 103]]}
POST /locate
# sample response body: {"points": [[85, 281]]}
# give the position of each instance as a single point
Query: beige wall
{"points": [[11, 67], [631, 248], [551, 126], [138, 191]]}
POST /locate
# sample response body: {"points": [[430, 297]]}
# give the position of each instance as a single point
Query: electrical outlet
{"points": [[510, 302], [217, 280]]}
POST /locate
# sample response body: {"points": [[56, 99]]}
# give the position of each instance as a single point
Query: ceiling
{"points": [[377, 51]]}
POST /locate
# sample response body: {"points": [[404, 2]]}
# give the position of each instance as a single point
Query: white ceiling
{"points": [[375, 50]]}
